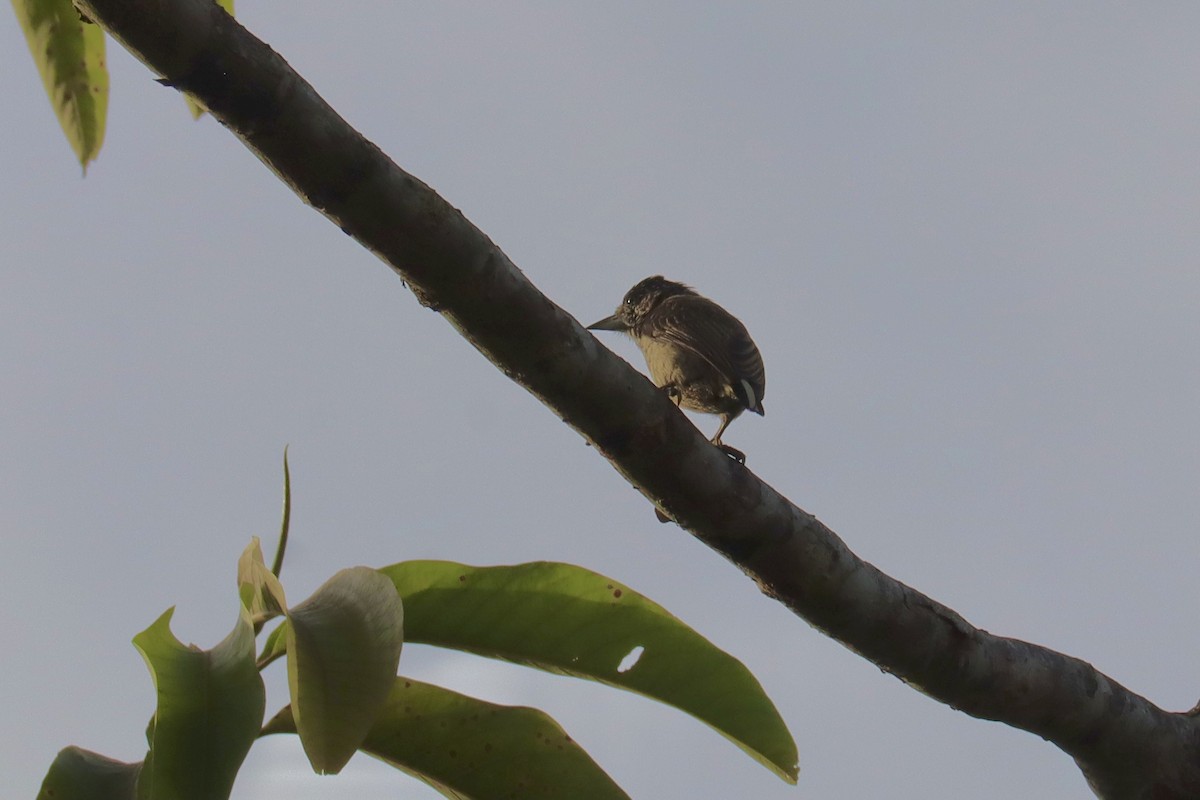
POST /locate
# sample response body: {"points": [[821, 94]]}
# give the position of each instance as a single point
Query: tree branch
{"points": [[1126, 746]]}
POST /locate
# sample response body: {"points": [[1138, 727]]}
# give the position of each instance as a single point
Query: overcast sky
{"points": [[964, 236]]}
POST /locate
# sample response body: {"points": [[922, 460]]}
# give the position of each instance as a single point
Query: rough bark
{"points": [[1127, 747]]}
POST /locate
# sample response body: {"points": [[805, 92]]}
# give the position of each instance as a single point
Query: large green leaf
{"points": [[79, 774], [569, 620], [210, 709], [343, 646], [69, 54], [471, 750]]}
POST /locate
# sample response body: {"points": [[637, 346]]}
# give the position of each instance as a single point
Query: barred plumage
{"points": [[695, 350]]}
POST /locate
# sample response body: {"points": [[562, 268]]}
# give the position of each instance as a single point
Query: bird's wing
{"points": [[704, 328]]}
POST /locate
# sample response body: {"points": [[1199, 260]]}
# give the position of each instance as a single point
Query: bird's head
{"points": [[639, 302]]}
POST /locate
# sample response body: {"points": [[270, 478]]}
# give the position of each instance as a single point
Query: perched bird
{"points": [[695, 350]]}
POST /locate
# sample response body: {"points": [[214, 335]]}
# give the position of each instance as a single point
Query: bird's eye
{"points": [[629, 302]]}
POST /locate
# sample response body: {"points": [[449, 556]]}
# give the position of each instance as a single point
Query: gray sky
{"points": [[963, 235]]}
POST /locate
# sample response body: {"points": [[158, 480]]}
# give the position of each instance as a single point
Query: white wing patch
{"points": [[751, 398]]}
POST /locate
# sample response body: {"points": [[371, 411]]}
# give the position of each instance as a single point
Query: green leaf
{"points": [[275, 646], [569, 620], [210, 707], [469, 749], [194, 107], [79, 774], [261, 592], [69, 54], [343, 647], [286, 523]]}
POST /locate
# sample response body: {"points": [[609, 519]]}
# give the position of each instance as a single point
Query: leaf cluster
{"points": [[342, 648]]}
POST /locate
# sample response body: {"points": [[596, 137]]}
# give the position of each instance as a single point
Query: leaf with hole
{"points": [[569, 620]]}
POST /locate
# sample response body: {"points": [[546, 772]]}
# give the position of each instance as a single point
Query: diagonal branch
{"points": [[1126, 746]]}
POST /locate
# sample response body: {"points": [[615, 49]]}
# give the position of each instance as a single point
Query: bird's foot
{"points": [[732, 452]]}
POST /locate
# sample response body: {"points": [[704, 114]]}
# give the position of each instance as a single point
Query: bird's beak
{"points": [[613, 323]]}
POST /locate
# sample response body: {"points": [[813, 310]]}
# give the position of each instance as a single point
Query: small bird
{"points": [[697, 351]]}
